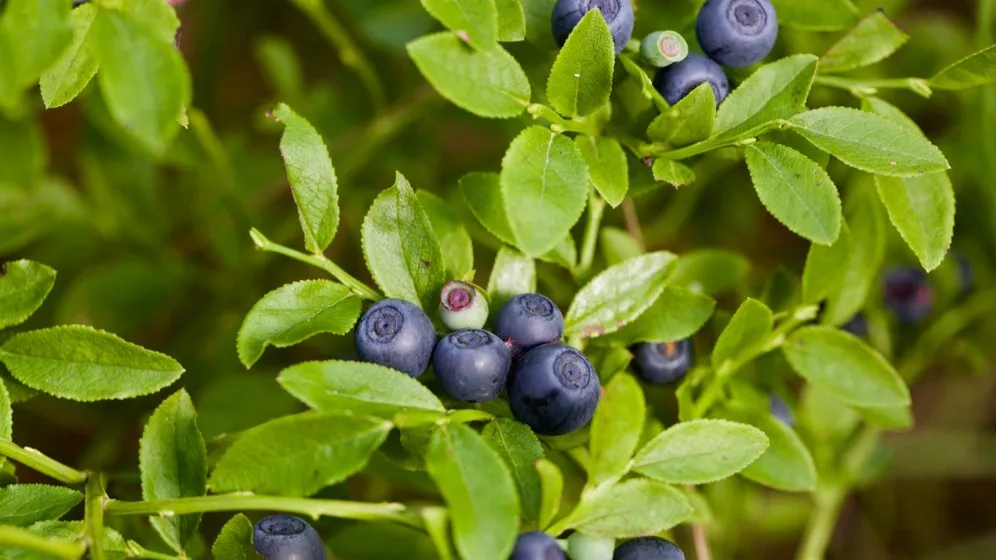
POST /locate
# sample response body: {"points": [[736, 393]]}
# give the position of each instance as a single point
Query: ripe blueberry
{"points": [[737, 33], [472, 365], [462, 306], [618, 15], [648, 548], [553, 389], [396, 334], [285, 537], [663, 363], [663, 48], [528, 320], [858, 325], [780, 410], [908, 294], [679, 79], [536, 545]]}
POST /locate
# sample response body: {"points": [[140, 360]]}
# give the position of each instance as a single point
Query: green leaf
{"points": [[677, 314], [24, 504], [520, 449], [482, 191], [312, 179], [618, 295], [868, 142], [454, 241], [360, 387], [845, 366], [544, 188], [826, 15], [511, 20], [796, 190], [260, 399], [143, 78], [786, 464], [646, 85], [83, 364], [474, 20], [710, 271], [77, 65], [172, 460], [891, 112], [673, 172], [401, 249], [700, 451], [234, 542], [538, 30], [33, 33], [744, 337], [512, 274], [631, 508], [775, 91], [25, 166], [113, 543], [689, 121], [160, 17], [607, 164], [480, 492], [295, 312], [24, 285], [298, 455], [564, 253], [974, 70], [487, 83], [615, 429], [875, 38], [617, 245], [551, 487], [6, 414], [923, 210], [581, 78], [379, 540]]}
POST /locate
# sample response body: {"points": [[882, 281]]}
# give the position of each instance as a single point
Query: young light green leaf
{"points": [[673, 172], [312, 179], [401, 248], [700, 451], [845, 366], [677, 314], [476, 21], [875, 38], [24, 504], [607, 164], [581, 78], [775, 91], [744, 336], [33, 33], [552, 487], [512, 274], [454, 241], [868, 142], [631, 508], [477, 487], [615, 429], [710, 271], [24, 285], [689, 121], [976, 69], [298, 455], [796, 190], [295, 312], [786, 465], [923, 210], [544, 188], [487, 83], [143, 78], [234, 542], [511, 20], [83, 364], [338, 385], [172, 460], [618, 295], [617, 245], [826, 15], [520, 449], [77, 65], [158, 16], [482, 191]]}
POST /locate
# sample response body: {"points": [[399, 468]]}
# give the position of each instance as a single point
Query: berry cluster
{"points": [[551, 387], [536, 545]]}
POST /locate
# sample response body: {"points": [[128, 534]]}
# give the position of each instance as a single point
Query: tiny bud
{"points": [[663, 48], [462, 306]]}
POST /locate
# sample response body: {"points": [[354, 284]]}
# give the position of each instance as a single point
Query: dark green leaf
{"points": [[512, 274], [454, 241], [482, 191], [875, 38], [923, 210], [615, 429], [520, 449], [689, 121], [24, 504], [25, 166], [744, 337], [538, 29], [381, 540], [974, 70], [260, 399], [581, 78], [23, 287], [677, 314], [234, 542], [775, 91], [710, 271], [77, 65], [607, 165], [700, 451], [631, 508]]}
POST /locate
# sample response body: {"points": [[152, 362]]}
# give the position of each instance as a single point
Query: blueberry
{"points": [[679, 79], [553, 389], [396, 334], [536, 545], [663, 363], [858, 325], [462, 306], [472, 365], [618, 14], [908, 294], [285, 537], [528, 320], [663, 48], [648, 548], [737, 33], [780, 410]]}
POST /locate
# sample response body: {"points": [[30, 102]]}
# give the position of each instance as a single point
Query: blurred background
{"points": [[157, 249]]}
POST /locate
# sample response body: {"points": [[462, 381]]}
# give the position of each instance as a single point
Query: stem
{"points": [[437, 525], [701, 542], [633, 223], [596, 207], [396, 513], [136, 550], [864, 88], [319, 261], [34, 459], [93, 517], [15, 537], [559, 124], [721, 141]]}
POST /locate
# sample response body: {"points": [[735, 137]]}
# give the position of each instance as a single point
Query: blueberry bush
{"points": [[489, 279]]}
